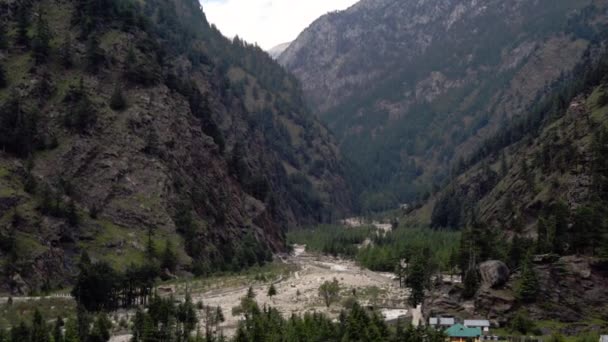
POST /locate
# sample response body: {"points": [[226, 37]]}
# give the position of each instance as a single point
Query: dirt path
{"points": [[298, 293]]}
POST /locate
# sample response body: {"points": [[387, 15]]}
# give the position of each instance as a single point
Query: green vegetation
{"points": [[329, 291], [333, 240], [118, 101], [384, 250]]}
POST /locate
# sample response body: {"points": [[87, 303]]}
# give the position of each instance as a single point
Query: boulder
{"points": [[494, 273]]}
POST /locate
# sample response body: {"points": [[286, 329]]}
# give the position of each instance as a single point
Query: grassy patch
{"points": [[23, 310], [259, 274]]}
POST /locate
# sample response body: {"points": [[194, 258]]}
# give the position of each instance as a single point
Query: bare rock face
{"points": [[494, 273]]}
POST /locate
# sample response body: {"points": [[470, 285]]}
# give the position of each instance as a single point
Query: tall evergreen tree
{"points": [[23, 22], [3, 78], [41, 41], [529, 286], [3, 40], [416, 280], [66, 52], [471, 283], [118, 101], [169, 259]]}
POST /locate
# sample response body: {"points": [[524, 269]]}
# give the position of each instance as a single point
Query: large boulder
{"points": [[494, 273]]}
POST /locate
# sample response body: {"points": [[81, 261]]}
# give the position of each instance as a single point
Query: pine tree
{"points": [[71, 331], [3, 41], [150, 248], [94, 54], [41, 41], [416, 280], [57, 330], [23, 23], [39, 332], [169, 259], [471, 283], [542, 242], [529, 286], [65, 52], [72, 215], [272, 291], [118, 102], [3, 79], [504, 167]]}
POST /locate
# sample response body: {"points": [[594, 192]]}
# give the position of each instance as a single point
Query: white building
{"points": [[441, 322], [483, 324]]}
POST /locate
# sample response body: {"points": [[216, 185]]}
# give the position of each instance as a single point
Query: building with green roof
{"points": [[460, 333]]}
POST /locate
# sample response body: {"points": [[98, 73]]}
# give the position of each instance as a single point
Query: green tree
{"points": [[72, 215], [329, 291], [57, 330], [39, 331], [603, 98], [66, 52], [100, 332], [41, 42], [544, 226], [118, 102], [416, 280], [272, 291], [169, 258], [3, 40], [71, 331], [529, 287], [471, 283], [23, 22], [3, 79], [94, 54]]}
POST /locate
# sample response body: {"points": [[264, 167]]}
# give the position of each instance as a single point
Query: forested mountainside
{"points": [[410, 88], [125, 122], [534, 196]]}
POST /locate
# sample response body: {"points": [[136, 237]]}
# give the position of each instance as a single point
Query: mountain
{"points": [[410, 88], [132, 127], [276, 51], [535, 196]]}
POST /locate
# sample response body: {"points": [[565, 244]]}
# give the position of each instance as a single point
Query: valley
{"points": [[401, 171]]}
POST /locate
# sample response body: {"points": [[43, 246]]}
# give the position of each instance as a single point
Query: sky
{"points": [[268, 22]]}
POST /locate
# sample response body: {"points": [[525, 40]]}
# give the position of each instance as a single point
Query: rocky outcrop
{"points": [[574, 289], [494, 273]]}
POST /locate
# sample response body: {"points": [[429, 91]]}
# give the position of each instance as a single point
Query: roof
{"points": [[459, 330], [442, 321], [476, 323]]}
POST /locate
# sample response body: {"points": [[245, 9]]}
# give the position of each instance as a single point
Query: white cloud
{"points": [[268, 22]]}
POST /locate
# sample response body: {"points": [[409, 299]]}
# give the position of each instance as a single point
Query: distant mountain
{"points": [[412, 87], [126, 126], [276, 51]]}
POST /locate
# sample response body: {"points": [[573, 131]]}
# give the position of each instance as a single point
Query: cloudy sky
{"points": [[267, 22]]}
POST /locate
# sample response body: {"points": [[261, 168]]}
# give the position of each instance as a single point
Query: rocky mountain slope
{"points": [[276, 51], [536, 191], [127, 124], [410, 87]]}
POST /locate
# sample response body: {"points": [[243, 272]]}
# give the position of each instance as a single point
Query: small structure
{"points": [[441, 322], [460, 333], [604, 338], [482, 324]]}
